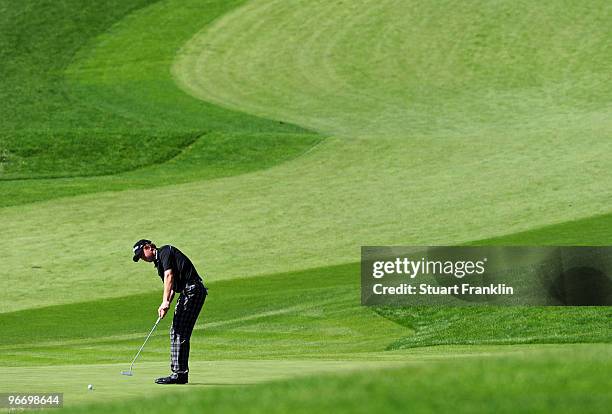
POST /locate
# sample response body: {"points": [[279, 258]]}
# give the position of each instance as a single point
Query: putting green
{"points": [[110, 385], [498, 372]]}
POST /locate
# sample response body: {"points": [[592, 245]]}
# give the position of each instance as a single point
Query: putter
{"points": [[129, 373]]}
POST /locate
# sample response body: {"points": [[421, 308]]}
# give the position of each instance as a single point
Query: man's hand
{"points": [[163, 309]]}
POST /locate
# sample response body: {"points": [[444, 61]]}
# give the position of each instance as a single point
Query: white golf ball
{"points": [[90, 387]]}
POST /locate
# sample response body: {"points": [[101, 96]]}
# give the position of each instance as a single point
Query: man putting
{"points": [[178, 275]]}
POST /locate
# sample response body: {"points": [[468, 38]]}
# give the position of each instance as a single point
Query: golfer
{"points": [[178, 275]]}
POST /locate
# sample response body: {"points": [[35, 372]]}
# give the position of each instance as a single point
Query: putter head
{"points": [[128, 373]]}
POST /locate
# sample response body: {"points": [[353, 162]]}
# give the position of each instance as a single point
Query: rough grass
{"points": [[59, 123], [503, 325], [493, 325]]}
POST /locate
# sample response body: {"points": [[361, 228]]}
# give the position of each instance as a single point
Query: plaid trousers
{"points": [[186, 313]]}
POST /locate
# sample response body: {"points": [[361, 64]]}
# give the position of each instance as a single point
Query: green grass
{"points": [[58, 123], [503, 325], [495, 66], [409, 163], [308, 314], [309, 323], [191, 122], [590, 231], [110, 386], [566, 380], [491, 325], [316, 315], [205, 157]]}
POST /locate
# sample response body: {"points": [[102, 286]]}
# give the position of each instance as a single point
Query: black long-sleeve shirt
{"points": [[169, 257]]}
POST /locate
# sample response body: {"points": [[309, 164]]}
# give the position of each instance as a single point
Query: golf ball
{"points": [[90, 387]]}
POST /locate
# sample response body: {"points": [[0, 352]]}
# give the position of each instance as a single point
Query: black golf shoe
{"points": [[174, 378]]}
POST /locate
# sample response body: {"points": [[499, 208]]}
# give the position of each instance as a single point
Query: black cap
{"points": [[138, 246]]}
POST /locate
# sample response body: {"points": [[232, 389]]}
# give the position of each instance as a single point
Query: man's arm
{"points": [[168, 293]]}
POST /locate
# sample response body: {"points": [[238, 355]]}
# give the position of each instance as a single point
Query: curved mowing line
{"points": [[120, 105], [346, 54], [474, 146], [170, 157], [235, 63]]}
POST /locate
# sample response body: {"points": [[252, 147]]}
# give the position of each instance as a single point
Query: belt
{"points": [[190, 284]]}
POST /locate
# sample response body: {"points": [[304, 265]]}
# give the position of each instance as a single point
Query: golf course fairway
{"points": [[269, 140]]}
